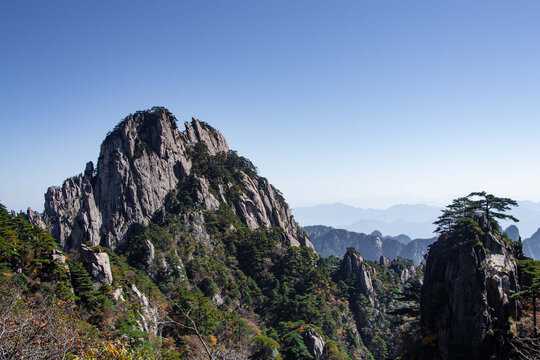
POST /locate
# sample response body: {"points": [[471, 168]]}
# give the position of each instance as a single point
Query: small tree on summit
{"points": [[475, 203], [494, 207]]}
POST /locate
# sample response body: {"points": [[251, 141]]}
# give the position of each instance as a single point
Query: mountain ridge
{"points": [[329, 241], [140, 162]]}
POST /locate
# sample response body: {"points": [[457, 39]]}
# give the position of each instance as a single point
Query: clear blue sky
{"points": [[367, 103]]}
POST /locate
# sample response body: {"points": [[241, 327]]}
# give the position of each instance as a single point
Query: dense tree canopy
{"points": [[476, 203]]}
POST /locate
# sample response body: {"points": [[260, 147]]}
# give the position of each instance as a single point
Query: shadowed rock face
{"points": [[354, 265], [465, 300], [141, 161]]}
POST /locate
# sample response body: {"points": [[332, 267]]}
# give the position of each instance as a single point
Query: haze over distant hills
{"points": [[414, 220], [330, 241]]}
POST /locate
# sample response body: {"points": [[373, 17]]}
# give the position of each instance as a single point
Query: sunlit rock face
{"points": [[141, 161]]}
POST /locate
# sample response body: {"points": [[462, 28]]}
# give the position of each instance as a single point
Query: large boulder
{"points": [[98, 265]]}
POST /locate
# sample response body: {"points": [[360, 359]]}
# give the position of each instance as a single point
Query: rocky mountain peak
{"points": [[141, 161], [513, 232]]}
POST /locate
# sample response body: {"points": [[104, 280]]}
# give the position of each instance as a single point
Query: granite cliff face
{"points": [[354, 266], [465, 300], [141, 161]]}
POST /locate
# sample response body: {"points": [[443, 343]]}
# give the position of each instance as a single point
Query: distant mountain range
{"points": [[329, 241], [415, 220]]}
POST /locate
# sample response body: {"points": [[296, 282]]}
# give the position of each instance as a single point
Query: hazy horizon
{"points": [[367, 103], [413, 220]]}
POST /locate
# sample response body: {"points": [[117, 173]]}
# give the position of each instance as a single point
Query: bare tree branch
{"points": [[193, 327]]}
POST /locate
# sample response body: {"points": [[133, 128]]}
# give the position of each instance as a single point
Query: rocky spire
{"points": [[465, 301]]}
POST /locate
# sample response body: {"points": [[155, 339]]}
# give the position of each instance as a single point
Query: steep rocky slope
{"points": [[172, 223], [466, 300], [141, 161], [374, 292]]}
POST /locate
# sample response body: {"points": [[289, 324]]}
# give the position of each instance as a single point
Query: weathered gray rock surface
{"points": [[354, 266], [98, 265], [531, 246], [148, 314], [384, 261], [372, 298]]}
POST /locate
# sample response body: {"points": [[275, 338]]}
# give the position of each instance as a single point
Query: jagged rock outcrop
{"points": [[315, 343], [34, 218], [141, 161], [386, 262], [58, 256], [118, 294], [71, 212], [353, 266], [98, 265], [262, 206], [375, 289], [465, 300], [148, 314], [405, 271]]}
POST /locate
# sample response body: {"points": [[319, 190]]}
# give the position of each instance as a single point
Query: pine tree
{"points": [[530, 270], [476, 203]]}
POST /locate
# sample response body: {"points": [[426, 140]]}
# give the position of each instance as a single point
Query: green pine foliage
{"points": [[61, 296], [27, 252], [459, 214], [250, 272], [245, 290]]}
